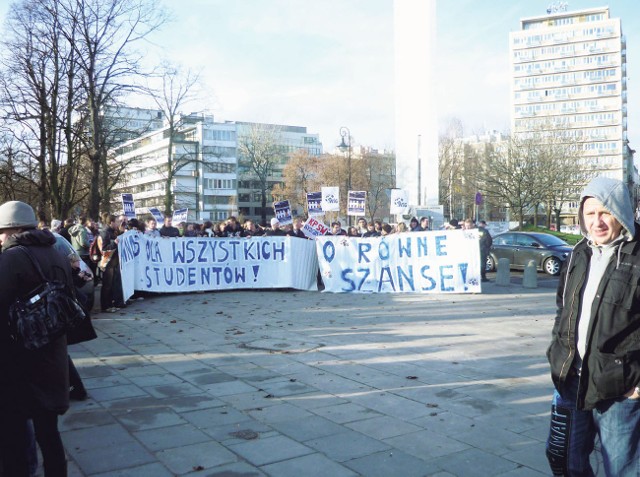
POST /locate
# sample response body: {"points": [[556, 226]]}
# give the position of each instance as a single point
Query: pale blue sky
{"points": [[329, 63]]}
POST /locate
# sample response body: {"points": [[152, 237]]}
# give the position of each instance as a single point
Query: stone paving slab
{"points": [[288, 383]]}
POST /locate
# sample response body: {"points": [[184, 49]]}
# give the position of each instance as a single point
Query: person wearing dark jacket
{"points": [[111, 296], [34, 384], [275, 230], [296, 229], [595, 348]]}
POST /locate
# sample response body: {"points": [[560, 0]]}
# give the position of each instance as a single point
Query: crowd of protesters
{"points": [[82, 231]]}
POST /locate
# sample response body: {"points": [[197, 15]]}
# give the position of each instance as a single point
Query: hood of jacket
{"points": [[76, 229], [35, 237], [614, 196]]}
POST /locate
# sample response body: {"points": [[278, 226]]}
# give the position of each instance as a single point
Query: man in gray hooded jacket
{"points": [[595, 348]]}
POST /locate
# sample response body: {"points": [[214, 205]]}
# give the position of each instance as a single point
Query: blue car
{"points": [[547, 251]]}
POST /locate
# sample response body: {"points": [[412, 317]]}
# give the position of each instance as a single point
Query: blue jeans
{"points": [[572, 435]]}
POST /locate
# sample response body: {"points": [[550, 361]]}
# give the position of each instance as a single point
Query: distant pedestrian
{"points": [[486, 241]]}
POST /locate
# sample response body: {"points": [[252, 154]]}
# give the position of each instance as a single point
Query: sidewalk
{"points": [[303, 384]]}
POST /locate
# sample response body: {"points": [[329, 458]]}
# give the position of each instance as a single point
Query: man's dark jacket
{"points": [[611, 365]]}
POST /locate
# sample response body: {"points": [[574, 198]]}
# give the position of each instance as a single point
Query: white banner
{"points": [[202, 263], [416, 262], [331, 199], [399, 201]]}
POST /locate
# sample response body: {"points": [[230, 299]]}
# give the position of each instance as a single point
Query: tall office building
{"points": [[569, 78]]}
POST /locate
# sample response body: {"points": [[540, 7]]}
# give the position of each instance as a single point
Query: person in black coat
{"points": [[111, 297], [34, 384]]}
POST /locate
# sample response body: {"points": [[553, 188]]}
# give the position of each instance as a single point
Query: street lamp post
{"points": [[346, 147]]}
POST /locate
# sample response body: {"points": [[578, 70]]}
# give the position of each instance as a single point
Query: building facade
{"points": [[569, 78], [125, 123], [205, 177], [290, 139]]}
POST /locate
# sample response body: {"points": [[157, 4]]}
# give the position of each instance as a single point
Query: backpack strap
{"points": [[35, 263]]}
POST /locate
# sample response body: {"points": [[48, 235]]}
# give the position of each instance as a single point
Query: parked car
{"points": [[547, 251]]}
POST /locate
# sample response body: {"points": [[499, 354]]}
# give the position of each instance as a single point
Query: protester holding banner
{"points": [[336, 228], [362, 226], [251, 229], [167, 230], [190, 230], [151, 228], [371, 231], [296, 228], [233, 228], [275, 230]]}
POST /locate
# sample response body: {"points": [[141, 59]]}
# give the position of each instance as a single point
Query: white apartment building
{"points": [[206, 181], [569, 78]]}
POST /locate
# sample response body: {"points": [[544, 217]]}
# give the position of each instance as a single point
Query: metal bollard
{"points": [[530, 277], [503, 277]]}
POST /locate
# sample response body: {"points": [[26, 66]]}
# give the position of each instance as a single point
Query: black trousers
{"points": [[14, 444]]}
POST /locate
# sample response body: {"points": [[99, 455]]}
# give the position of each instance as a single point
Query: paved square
{"points": [[316, 384]]}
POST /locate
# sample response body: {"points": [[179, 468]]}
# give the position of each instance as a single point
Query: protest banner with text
{"points": [[417, 262], [203, 263]]}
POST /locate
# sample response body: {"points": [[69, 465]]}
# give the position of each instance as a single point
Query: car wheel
{"points": [[552, 266], [491, 264]]}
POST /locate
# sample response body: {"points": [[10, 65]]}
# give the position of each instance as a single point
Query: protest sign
{"points": [[282, 211], [356, 203], [314, 204], [417, 262], [179, 216], [156, 214], [190, 264], [331, 199], [128, 206], [399, 201], [313, 228]]}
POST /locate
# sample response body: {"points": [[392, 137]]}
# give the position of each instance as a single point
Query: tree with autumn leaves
{"points": [[370, 172]]}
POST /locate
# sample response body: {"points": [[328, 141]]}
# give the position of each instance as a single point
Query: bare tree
{"points": [[39, 95], [177, 89], [378, 177], [510, 176], [451, 157], [104, 34], [258, 153], [563, 171], [64, 63]]}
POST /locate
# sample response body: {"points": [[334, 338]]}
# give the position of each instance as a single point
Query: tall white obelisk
{"points": [[416, 123]]}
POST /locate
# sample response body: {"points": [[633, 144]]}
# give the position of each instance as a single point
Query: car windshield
{"points": [[551, 240]]}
